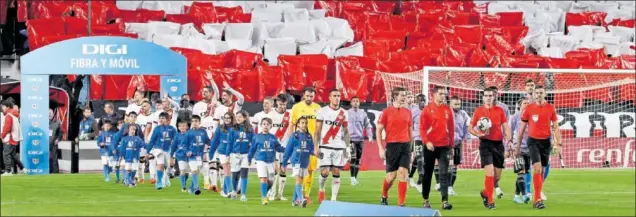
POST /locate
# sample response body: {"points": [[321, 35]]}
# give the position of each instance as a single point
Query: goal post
{"points": [[595, 106]]}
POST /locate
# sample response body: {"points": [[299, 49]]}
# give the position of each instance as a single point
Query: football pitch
{"points": [[570, 192]]}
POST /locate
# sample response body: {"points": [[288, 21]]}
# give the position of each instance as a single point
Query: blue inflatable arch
{"points": [[100, 55]]}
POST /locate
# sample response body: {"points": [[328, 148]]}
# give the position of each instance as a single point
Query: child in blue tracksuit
{"points": [[221, 142], [178, 151], [299, 148], [196, 140], [107, 143], [264, 148], [129, 148], [159, 146], [123, 132], [239, 147]]}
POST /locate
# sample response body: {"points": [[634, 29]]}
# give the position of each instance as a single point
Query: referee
{"points": [[541, 119], [437, 129], [396, 122]]}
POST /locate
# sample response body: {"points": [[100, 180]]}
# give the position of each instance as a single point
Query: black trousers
{"points": [[9, 157], [443, 158], [54, 166]]}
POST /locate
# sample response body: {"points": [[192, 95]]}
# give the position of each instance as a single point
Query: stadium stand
{"points": [[304, 41]]}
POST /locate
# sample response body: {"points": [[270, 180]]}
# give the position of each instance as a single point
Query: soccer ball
{"points": [[484, 124]]}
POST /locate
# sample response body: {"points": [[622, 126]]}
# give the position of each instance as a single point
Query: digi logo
{"points": [[104, 49]]}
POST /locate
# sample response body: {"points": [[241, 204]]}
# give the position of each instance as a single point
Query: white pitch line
{"points": [[218, 198]]}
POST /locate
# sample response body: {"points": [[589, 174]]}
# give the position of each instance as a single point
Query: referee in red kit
{"points": [[397, 121], [541, 118], [437, 129]]}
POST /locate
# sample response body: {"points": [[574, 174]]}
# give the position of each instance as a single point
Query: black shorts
{"points": [[491, 152], [457, 154], [397, 155], [540, 150], [526, 162]]}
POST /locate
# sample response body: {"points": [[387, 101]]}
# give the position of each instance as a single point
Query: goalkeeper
{"points": [[522, 163]]}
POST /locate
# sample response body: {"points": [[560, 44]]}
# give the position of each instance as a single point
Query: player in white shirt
{"points": [[331, 142], [134, 104], [281, 121], [205, 109], [147, 120]]}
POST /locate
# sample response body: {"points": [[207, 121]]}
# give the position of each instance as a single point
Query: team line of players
{"points": [[271, 143]]}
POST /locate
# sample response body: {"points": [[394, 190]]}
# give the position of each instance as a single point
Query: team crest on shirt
{"points": [[35, 142], [35, 161], [266, 144], [446, 115], [535, 118]]}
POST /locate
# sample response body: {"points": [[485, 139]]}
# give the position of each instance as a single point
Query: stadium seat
{"points": [[279, 46]]}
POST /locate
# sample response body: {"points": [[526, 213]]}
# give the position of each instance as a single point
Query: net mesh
{"points": [[595, 110]]}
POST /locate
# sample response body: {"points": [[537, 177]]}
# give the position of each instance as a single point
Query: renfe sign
{"points": [[90, 56]]}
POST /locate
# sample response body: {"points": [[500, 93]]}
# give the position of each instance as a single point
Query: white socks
{"points": [[281, 185], [335, 187], [153, 169], [323, 181], [205, 170]]}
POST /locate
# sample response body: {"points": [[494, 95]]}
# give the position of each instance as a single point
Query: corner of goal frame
{"points": [[336, 208]]}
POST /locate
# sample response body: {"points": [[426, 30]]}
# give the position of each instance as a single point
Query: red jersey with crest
{"points": [[281, 122], [334, 123]]}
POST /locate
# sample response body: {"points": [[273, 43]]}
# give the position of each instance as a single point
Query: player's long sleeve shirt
{"points": [[109, 141], [240, 141], [462, 120], [220, 141], [196, 140], [359, 121], [437, 125], [161, 138], [178, 148], [129, 147], [298, 150], [515, 121], [264, 148], [88, 126], [415, 113]]}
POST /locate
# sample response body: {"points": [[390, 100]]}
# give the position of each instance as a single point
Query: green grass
{"points": [[570, 192]]}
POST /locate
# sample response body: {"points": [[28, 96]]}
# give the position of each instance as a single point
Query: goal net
{"points": [[595, 107]]}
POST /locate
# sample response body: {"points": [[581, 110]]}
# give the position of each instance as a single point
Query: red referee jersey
{"points": [[497, 118], [539, 118], [397, 122], [437, 125]]}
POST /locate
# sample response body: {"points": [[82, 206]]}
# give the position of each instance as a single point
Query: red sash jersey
{"points": [[539, 118], [396, 123], [497, 118], [437, 125]]}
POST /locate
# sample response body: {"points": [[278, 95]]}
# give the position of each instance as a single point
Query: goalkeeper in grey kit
{"points": [[522, 163]]}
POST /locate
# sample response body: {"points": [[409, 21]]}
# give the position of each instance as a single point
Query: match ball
{"points": [[484, 124]]}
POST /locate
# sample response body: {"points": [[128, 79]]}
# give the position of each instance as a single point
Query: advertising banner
{"points": [[34, 122]]}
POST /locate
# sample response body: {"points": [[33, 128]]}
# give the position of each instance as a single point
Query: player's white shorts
{"points": [[122, 162], [143, 152], [132, 165], [265, 170], [222, 158], [238, 161], [279, 156], [332, 158], [160, 156], [194, 164], [299, 172], [108, 160]]}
